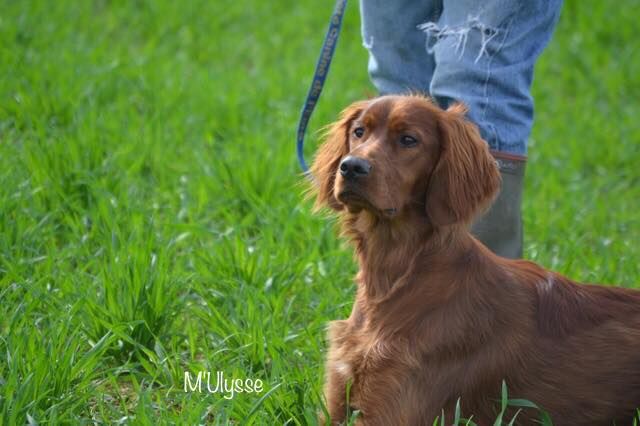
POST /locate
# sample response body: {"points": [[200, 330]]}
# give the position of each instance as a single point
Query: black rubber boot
{"points": [[500, 228]]}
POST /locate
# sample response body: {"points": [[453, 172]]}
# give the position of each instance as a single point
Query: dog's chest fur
{"points": [[375, 366], [360, 356]]}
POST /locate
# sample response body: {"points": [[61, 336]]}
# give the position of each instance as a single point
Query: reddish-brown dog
{"points": [[437, 316]]}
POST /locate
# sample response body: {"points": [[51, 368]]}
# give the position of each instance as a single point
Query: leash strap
{"points": [[320, 75]]}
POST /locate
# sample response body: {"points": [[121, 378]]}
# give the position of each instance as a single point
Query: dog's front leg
{"points": [[337, 374], [335, 393]]}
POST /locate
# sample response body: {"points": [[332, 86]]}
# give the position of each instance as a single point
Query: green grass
{"points": [[151, 212]]}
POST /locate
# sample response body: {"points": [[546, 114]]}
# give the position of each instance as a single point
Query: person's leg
{"points": [[484, 54], [398, 60]]}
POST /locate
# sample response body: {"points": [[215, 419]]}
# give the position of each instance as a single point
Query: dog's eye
{"points": [[406, 140], [358, 132]]}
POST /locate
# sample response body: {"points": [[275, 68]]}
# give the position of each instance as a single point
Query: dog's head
{"points": [[393, 154]]}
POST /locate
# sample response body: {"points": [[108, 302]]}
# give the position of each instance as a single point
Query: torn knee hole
{"points": [[460, 33]]}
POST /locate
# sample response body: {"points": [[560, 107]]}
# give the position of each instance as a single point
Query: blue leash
{"points": [[322, 69]]}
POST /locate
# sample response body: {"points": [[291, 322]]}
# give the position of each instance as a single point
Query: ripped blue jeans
{"points": [[478, 52]]}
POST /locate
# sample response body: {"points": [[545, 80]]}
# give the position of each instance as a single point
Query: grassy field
{"points": [[151, 216]]}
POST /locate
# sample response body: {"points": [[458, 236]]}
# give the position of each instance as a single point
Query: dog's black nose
{"points": [[354, 167]]}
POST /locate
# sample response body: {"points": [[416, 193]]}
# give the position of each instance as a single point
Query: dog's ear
{"points": [[334, 147], [466, 177]]}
